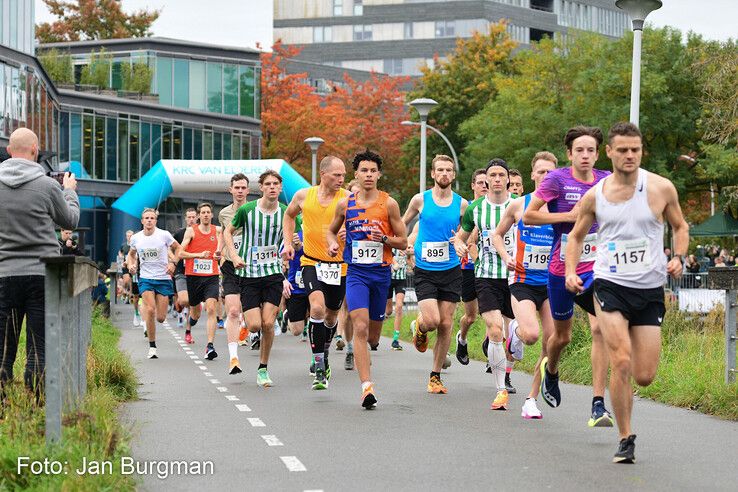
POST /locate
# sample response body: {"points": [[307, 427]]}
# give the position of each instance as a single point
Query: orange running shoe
{"points": [[368, 400], [500, 402], [435, 386], [234, 367], [420, 340], [243, 336]]}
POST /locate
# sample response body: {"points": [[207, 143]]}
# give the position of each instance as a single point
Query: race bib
{"points": [[149, 254], [536, 257], [264, 255], [489, 248], [629, 256], [202, 266], [401, 261], [329, 273], [435, 252], [589, 248], [298, 279], [237, 241], [366, 252]]}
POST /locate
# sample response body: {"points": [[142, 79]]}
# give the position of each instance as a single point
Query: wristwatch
{"points": [[384, 239]]}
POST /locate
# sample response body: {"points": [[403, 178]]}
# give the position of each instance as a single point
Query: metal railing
{"points": [[726, 280], [68, 290]]}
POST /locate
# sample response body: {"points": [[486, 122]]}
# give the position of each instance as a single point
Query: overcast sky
{"points": [[248, 22]]}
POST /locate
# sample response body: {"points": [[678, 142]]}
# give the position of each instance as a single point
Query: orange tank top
{"points": [[202, 267], [360, 221], [316, 219]]}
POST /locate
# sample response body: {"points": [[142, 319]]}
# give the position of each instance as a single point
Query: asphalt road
{"points": [[291, 438]]}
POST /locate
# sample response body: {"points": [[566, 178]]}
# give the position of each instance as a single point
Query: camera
{"points": [[58, 176]]}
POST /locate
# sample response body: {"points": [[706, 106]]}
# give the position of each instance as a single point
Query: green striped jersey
{"points": [[400, 263], [261, 239], [485, 216]]}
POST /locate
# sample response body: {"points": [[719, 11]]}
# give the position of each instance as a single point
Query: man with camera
{"points": [[69, 244]]}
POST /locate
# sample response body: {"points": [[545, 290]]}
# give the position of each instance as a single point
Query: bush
{"points": [[97, 72], [58, 66], [137, 77]]}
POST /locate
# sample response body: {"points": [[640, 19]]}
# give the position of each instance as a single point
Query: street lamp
{"points": [[450, 147], [314, 143], [423, 106], [638, 11]]}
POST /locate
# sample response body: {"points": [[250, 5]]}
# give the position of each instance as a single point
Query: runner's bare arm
{"points": [[231, 247], [219, 247], [506, 222], [399, 241], [288, 221], [673, 214], [460, 242], [132, 260], [413, 208], [413, 235], [338, 220], [535, 216], [575, 240], [186, 255]]}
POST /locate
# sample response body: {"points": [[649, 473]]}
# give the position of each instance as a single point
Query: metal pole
{"points": [[314, 180], [422, 155], [731, 309], [712, 200], [635, 85], [453, 153], [53, 369]]}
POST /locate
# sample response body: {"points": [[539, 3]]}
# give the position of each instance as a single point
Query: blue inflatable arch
{"points": [[169, 176]]}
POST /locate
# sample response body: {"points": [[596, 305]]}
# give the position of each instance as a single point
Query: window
{"points": [[166, 141], [197, 85], [445, 29], [235, 146], [393, 66], [155, 143], [408, 30], [144, 145], [164, 80], [230, 89], [63, 131], [197, 144], [177, 143], [181, 83], [363, 32], [111, 146], [358, 7], [99, 146], [187, 144], [133, 140], [87, 155], [226, 146], [246, 88], [322, 34], [215, 87], [75, 138], [207, 145], [123, 149], [337, 7]]}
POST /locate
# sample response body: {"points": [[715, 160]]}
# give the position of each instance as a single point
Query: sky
{"points": [[248, 22]]}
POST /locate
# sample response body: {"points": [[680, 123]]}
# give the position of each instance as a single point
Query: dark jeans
{"points": [[22, 296]]}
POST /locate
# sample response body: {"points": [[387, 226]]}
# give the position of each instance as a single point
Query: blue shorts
{"points": [[161, 287], [366, 288], [560, 299]]}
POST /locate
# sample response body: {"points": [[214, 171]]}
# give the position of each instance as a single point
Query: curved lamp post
{"points": [[638, 10], [448, 143], [423, 106], [314, 143]]}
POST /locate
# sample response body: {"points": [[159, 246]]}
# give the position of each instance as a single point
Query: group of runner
{"points": [[522, 261]]}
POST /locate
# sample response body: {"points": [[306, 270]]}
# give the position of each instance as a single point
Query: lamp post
{"points": [[423, 106], [638, 10], [448, 143], [314, 143]]}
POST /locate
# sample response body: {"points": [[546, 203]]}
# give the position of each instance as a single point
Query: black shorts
{"points": [[297, 307], [397, 286], [468, 290], [441, 285], [231, 281], [524, 292], [134, 288], [639, 306], [256, 291], [333, 294], [201, 288], [494, 295], [124, 271]]}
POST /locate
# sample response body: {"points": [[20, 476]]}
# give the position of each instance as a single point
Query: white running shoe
{"points": [[530, 410], [515, 345], [277, 328], [136, 320], [180, 320], [152, 353]]}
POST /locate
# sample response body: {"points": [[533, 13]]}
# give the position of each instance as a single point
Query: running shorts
{"points": [[397, 286], [256, 291], [297, 307], [560, 299], [161, 287], [526, 292], [441, 285], [493, 294], [366, 288], [639, 306], [333, 294], [201, 288], [468, 290]]}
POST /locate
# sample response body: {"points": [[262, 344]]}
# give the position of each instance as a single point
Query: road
{"points": [[291, 438]]}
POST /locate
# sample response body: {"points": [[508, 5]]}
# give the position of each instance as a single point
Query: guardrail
{"points": [[68, 290], [726, 279]]}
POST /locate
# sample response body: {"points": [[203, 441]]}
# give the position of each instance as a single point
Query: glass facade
{"points": [[17, 25]]}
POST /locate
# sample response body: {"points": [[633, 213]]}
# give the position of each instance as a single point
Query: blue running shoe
{"points": [[600, 416], [550, 386]]}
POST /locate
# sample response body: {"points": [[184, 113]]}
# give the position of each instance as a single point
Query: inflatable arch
{"points": [[169, 176]]}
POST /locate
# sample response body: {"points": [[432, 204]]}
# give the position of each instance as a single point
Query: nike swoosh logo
{"points": [[660, 319], [602, 303]]}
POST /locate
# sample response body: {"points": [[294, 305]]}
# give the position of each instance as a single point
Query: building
{"points": [[204, 105], [397, 37]]}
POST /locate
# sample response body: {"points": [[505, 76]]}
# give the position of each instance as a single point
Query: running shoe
{"points": [[243, 337], [600, 416], [485, 346], [304, 336], [256, 342], [508, 384], [462, 351], [152, 353], [447, 361], [349, 362], [514, 344], [396, 345], [180, 320], [328, 373], [136, 320], [550, 386], [146, 333], [263, 379], [340, 344], [500, 402], [374, 347], [488, 369], [221, 323], [626, 450], [435, 386], [320, 382], [368, 400], [210, 352], [420, 340], [188, 338], [530, 410], [284, 322], [234, 366]]}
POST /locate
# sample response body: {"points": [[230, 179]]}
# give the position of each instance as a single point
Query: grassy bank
{"points": [[93, 432], [690, 372]]}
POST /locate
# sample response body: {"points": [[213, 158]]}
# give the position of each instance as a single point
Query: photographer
{"points": [[69, 244], [32, 204]]}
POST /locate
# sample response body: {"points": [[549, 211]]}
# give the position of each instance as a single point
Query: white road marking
{"points": [[208, 374], [272, 440], [194, 357], [215, 381], [199, 362], [243, 408], [222, 389], [292, 463], [256, 422], [231, 398], [203, 368]]}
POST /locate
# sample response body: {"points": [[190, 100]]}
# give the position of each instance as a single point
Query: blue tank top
{"points": [[532, 251], [437, 225], [294, 274]]}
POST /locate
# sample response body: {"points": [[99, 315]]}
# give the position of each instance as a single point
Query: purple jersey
{"points": [[561, 191]]}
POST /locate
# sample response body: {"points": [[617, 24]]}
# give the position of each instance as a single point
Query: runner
{"points": [[239, 190], [516, 183], [528, 288], [630, 207], [345, 331], [154, 280], [491, 274], [437, 272], [561, 191], [188, 315], [297, 303], [257, 263], [199, 249], [324, 275], [373, 227], [126, 275], [397, 290]]}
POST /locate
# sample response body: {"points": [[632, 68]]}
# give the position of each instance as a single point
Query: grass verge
{"points": [[92, 433], [691, 370]]}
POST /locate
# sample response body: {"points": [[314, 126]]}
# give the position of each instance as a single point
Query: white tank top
{"points": [[631, 240]]}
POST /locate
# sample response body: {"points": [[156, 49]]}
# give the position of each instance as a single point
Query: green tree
{"points": [[97, 71], [58, 66], [137, 77], [93, 19]]}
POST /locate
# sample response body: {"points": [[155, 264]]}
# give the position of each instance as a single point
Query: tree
{"points": [[97, 72], [136, 77], [58, 66], [93, 19]]}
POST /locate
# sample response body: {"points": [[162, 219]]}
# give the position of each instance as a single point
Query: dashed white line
{"points": [[232, 398], [243, 408], [194, 357], [214, 381], [222, 389], [272, 440], [256, 422], [203, 368], [292, 463], [208, 374], [198, 362]]}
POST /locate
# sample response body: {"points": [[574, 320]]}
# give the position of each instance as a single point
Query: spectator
{"points": [[692, 265], [667, 253], [100, 292], [32, 204], [719, 262], [730, 261], [68, 244]]}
